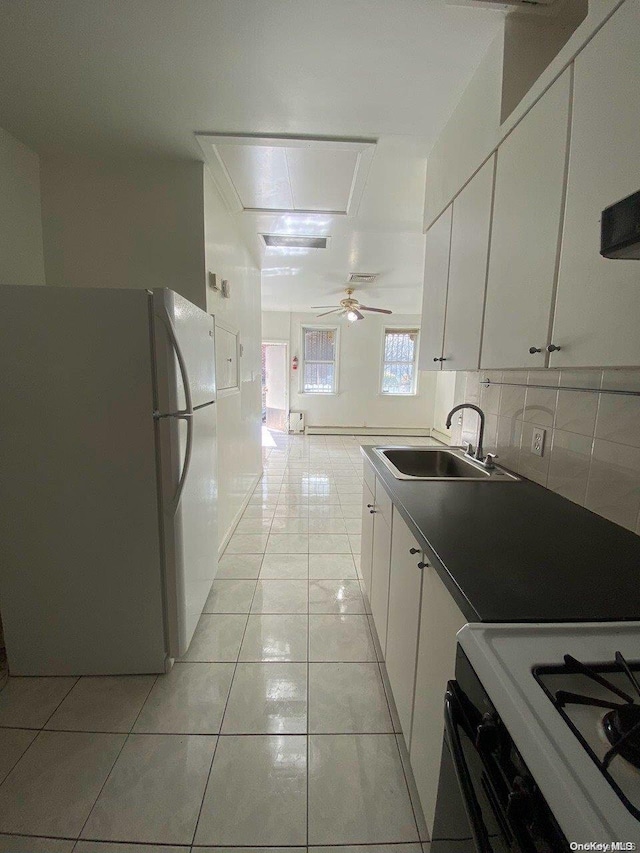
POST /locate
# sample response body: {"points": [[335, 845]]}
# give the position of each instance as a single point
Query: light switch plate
{"points": [[537, 441]]}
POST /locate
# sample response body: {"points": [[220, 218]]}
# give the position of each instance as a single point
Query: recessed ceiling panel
{"points": [[322, 178], [259, 175], [275, 174]]}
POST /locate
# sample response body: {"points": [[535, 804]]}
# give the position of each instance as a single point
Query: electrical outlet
{"points": [[537, 441]]}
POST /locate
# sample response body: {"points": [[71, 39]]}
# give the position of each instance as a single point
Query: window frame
{"points": [[414, 390], [313, 327]]}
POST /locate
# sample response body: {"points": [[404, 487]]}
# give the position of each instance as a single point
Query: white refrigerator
{"points": [[108, 491]]}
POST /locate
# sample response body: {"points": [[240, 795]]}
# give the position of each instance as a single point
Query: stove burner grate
{"points": [[621, 724]]}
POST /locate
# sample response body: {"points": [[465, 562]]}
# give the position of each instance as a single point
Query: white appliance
{"points": [[108, 524], [569, 697]]}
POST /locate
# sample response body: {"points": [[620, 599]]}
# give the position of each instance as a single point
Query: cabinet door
{"points": [[405, 587], [440, 621], [468, 271], [226, 358], [381, 558], [530, 178], [598, 300], [366, 548], [434, 293]]}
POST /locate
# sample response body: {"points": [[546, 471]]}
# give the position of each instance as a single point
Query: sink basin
{"points": [[435, 463]]}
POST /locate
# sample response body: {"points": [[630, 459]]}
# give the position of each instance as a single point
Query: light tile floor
{"points": [[274, 731]]}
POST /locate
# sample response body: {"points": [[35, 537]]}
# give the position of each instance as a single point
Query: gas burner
{"points": [[622, 723], [601, 705], [622, 728]]}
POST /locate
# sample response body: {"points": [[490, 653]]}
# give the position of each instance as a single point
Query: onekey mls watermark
{"points": [[603, 846]]}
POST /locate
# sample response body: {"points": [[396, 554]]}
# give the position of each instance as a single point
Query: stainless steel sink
{"points": [[436, 463]]}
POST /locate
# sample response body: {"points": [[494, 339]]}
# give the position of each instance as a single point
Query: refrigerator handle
{"points": [[188, 409], [188, 417], [185, 414]]}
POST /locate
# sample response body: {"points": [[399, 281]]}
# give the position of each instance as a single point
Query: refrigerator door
{"points": [[192, 330], [186, 442]]}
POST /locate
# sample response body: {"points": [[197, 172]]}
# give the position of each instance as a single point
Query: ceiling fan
{"points": [[350, 308]]}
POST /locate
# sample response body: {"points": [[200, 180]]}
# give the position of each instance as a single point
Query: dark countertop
{"points": [[517, 552]]}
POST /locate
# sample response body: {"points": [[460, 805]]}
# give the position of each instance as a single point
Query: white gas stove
{"points": [[569, 696]]}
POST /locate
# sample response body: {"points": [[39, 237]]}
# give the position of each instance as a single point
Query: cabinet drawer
{"points": [[369, 475], [383, 502]]}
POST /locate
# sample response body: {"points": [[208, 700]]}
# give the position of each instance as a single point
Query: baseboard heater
{"points": [[360, 430]]}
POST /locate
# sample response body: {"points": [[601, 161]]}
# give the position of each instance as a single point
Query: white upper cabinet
{"points": [[434, 294], [226, 358], [529, 192], [598, 300], [468, 271]]}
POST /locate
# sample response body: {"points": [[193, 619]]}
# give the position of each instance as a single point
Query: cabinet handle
{"points": [[414, 550], [553, 348], [372, 511], [422, 565], [370, 506], [534, 350], [439, 359]]}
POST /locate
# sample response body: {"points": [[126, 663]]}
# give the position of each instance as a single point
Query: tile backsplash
{"points": [[592, 444]]}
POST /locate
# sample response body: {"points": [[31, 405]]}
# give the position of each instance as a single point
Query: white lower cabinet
{"points": [[366, 550], [416, 621], [403, 624], [440, 621], [380, 564]]}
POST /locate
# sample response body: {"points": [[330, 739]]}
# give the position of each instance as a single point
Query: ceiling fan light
{"points": [[352, 316]]}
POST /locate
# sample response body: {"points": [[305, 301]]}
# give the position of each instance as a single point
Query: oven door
{"points": [[468, 816]]}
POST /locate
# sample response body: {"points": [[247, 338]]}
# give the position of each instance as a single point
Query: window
{"points": [[400, 351], [319, 346]]}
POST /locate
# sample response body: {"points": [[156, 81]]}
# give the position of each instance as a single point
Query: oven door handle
{"points": [[472, 807]]}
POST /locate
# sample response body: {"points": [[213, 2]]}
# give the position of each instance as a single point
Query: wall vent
{"points": [[539, 6], [294, 241], [362, 277]]}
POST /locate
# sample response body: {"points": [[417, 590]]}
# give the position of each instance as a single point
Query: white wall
{"points": [[132, 223], [152, 223], [358, 402], [468, 136], [531, 42], [239, 413], [444, 402], [21, 254]]}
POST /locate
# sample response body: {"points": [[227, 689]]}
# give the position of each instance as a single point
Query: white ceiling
{"points": [[384, 236], [140, 77]]}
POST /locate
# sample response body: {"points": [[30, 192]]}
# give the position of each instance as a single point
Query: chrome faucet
{"points": [[479, 454]]}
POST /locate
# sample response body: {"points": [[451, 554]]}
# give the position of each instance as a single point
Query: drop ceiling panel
{"points": [[259, 175], [275, 174], [321, 178]]}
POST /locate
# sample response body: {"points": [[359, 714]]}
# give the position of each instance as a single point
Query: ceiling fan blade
{"points": [[376, 310], [358, 314], [333, 311], [318, 307]]}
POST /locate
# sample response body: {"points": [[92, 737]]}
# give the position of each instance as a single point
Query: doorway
{"points": [[275, 385]]}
